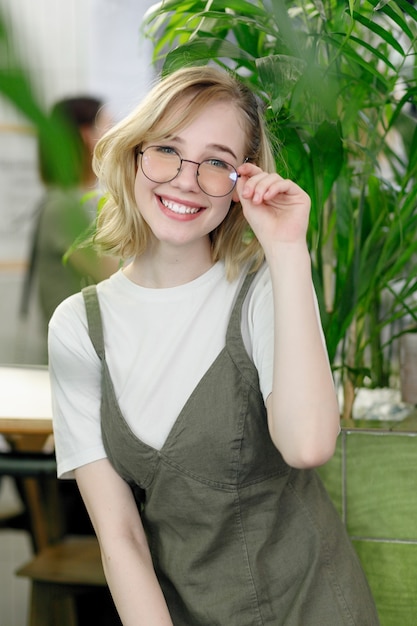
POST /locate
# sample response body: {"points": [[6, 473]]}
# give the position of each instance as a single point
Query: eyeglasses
{"points": [[215, 177]]}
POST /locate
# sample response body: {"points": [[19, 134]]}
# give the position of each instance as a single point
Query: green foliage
{"points": [[337, 79], [60, 149]]}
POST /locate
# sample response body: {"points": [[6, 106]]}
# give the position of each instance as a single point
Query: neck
{"points": [[161, 267]]}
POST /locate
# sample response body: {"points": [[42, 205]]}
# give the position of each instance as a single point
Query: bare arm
{"points": [[126, 557], [302, 410], [303, 414]]}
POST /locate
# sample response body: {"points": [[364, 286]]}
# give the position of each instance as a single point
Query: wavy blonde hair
{"points": [[121, 230]]}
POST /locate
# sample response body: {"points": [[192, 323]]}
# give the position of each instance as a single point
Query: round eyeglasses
{"points": [[215, 177]]}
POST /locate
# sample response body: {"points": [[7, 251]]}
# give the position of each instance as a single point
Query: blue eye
{"points": [[165, 150], [218, 163]]}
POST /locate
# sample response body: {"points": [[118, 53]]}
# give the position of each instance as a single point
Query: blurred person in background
{"points": [[67, 210]]}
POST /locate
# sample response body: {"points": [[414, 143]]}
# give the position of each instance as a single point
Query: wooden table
{"points": [[26, 428], [25, 408]]}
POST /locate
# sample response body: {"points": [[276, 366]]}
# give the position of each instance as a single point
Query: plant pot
{"points": [[372, 480]]}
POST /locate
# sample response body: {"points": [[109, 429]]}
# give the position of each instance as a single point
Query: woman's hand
{"points": [[276, 209]]}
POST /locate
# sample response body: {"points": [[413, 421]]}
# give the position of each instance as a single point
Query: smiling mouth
{"points": [[180, 209]]}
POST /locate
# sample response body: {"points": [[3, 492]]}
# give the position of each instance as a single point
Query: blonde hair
{"points": [[120, 228]]}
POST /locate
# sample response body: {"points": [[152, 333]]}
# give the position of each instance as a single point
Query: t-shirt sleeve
{"points": [[75, 374]]}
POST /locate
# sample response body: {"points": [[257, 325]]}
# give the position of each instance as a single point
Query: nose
{"points": [[187, 176]]}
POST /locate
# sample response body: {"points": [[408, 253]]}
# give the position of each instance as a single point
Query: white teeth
{"points": [[178, 208]]}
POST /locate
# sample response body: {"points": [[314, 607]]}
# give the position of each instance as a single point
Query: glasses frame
{"points": [[142, 152]]}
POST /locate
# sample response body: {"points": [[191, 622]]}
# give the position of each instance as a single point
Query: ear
{"points": [[235, 196]]}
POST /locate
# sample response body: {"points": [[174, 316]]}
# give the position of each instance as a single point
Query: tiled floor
{"points": [[15, 549]]}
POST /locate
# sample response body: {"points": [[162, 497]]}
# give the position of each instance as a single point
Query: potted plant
{"points": [[338, 81]]}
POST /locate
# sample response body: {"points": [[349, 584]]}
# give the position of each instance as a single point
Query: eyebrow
{"points": [[215, 146], [223, 149]]}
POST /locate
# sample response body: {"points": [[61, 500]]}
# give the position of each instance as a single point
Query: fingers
{"points": [[259, 186], [266, 188]]}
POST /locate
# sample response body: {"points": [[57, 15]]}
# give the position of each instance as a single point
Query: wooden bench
{"points": [[35, 474], [63, 575], [68, 587]]}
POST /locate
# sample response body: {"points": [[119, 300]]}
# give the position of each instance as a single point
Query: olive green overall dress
{"points": [[238, 538]]}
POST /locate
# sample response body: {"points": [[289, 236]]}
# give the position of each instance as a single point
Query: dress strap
{"points": [[234, 326], [95, 325]]}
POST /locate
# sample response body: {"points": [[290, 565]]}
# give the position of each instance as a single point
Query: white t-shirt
{"points": [[159, 343]]}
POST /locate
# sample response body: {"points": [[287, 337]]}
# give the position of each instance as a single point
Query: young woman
{"points": [[193, 397]]}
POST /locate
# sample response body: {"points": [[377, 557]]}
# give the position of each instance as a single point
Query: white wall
{"points": [[69, 47], [119, 57]]}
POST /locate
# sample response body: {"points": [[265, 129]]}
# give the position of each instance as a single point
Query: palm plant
{"points": [[338, 80]]}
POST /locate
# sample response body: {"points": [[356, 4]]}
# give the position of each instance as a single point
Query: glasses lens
{"points": [[160, 164], [216, 178]]}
